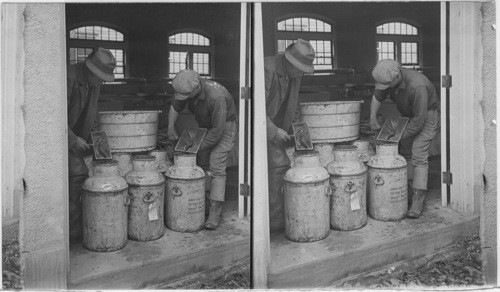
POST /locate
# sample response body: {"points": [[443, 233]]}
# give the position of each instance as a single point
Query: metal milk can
{"points": [[307, 199], [104, 208], [348, 183], [325, 151], [365, 150], [124, 162], [146, 191], [88, 162], [185, 201], [387, 184], [161, 160]]}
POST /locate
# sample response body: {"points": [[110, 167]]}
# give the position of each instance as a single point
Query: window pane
{"points": [[296, 24], [119, 36], [192, 39], [397, 28], [409, 53], [385, 50]]}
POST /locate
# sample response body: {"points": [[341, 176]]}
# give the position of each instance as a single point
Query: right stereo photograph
{"points": [[381, 171]]}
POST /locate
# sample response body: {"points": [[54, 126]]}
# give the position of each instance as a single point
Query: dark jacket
{"points": [[212, 108], [281, 102], [82, 104]]}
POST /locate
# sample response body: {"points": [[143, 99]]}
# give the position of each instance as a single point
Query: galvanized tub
{"points": [[307, 199], [332, 121], [387, 184], [348, 183], [129, 131], [185, 194], [104, 208], [146, 192]]}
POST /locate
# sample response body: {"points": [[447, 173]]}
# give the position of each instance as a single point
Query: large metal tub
{"points": [[332, 121], [130, 131]]}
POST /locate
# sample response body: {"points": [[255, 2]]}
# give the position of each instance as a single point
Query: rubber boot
{"points": [[217, 193], [417, 204], [419, 191]]}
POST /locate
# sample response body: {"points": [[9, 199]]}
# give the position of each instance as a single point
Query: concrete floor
{"points": [[346, 254], [174, 257]]}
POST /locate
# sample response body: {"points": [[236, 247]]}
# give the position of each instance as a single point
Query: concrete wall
{"points": [[43, 227], [488, 144]]}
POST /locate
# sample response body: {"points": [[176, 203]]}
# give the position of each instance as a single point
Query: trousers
{"points": [[78, 173]]}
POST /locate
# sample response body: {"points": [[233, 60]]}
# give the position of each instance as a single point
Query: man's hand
{"points": [[81, 145], [374, 125], [281, 137], [172, 134]]}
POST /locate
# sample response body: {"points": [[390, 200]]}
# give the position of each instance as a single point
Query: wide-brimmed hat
{"points": [[102, 63], [184, 83], [385, 72], [301, 55]]}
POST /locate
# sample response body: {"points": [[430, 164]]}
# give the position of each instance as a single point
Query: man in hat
{"points": [[83, 80], [415, 98], [213, 108], [283, 73]]}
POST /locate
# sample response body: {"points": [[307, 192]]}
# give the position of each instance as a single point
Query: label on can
{"points": [[355, 201], [153, 212]]}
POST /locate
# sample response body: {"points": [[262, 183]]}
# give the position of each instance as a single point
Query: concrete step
{"points": [[347, 254], [174, 257]]}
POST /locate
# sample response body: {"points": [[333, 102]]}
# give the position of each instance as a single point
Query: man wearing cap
{"points": [[213, 108], [415, 98], [283, 73], [83, 81]]}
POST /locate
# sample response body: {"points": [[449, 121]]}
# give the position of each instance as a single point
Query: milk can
{"points": [[325, 151], [161, 160], [146, 191], [88, 162], [365, 150], [348, 183], [185, 201], [104, 208], [124, 162], [387, 184], [307, 199]]}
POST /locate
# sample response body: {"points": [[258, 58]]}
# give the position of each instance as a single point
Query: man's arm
{"points": [[374, 107], [416, 123], [172, 118]]}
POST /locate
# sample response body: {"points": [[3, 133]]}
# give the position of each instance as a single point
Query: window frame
{"points": [[307, 35], [117, 45], [192, 49], [398, 39]]}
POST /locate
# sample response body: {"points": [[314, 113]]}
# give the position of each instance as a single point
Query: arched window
{"points": [[84, 39], [189, 50], [320, 33], [400, 41]]}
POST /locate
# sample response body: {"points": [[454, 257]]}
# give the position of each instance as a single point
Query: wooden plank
{"points": [[464, 36], [260, 217], [242, 109], [11, 88], [444, 117]]}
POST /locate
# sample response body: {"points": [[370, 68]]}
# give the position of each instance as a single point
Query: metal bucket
{"points": [[348, 183], [124, 162], [104, 208], [185, 201], [307, 199], [325, 151], [147, 192], [130, 131], [365, 150], [332, 121], [387, 184]]}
